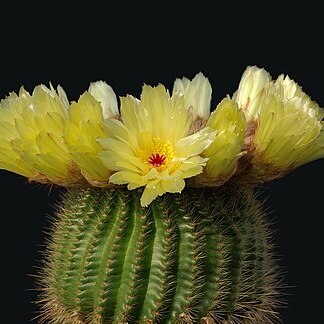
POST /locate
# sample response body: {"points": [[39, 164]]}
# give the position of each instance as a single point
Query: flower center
{"points": [[156, 160], [158, 154]]}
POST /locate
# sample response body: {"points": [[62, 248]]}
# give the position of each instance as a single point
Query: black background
{"points": [[126, 49]]}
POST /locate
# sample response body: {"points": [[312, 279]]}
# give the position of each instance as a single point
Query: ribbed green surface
{"points": [[199, 256]]}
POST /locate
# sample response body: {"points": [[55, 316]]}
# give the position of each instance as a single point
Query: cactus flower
{"points": [[32, 127], [151, 147], [287, 126], [175, 234], [227, 148], [84, 127]]}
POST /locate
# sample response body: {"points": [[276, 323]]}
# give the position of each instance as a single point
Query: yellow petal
{"points": [[251, 87], [196, 143], [91, 167], [289, 131], [87, 108], [223, 154], [173, 186], [197, 94], [193, 170], [151, 145], [104, 94], [11, 161], [314, 151], [166, 117], [124, 177], [82, 134], [49, 143], [149, 194], [34, 126]]}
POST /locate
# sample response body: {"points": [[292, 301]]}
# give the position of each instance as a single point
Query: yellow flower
{"points": [[31, 132], [287, 126], [223, 154], [150, 147], [10, 111], [197, 96], [85, 126]]}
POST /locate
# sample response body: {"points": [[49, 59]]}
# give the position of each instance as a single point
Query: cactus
{"points": [[162, 225], [204, 256]]}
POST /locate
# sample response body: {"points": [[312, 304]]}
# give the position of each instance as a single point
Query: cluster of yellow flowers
{"points": [[265, 130]]}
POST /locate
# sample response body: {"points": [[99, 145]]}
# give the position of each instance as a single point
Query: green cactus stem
{"points": [[202, 256]]}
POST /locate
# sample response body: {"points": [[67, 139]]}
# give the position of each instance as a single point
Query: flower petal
{"points": [[223, 154], [173, 186], [84, 128], [197, 94], [124, 177], [196, 143], [250, 90], [149, 194], [156, 129], [33, 126], [104, 94]]}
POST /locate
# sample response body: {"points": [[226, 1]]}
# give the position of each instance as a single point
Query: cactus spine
{"points": [[203, 256]]}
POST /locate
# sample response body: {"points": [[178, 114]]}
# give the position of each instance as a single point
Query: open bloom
{"points": [[151, 146], [32, 129], [85, 126], [287, 125], [48, 140]]}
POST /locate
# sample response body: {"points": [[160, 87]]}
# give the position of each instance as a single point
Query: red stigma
{"points": [[156, 159]]}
